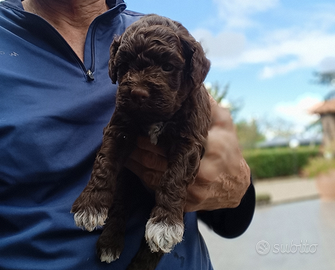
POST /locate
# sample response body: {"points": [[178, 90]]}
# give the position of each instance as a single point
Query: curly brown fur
{"points": [[160, 69]]}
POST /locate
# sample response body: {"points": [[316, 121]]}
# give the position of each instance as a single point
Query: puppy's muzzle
{"points": [[139, 95]]}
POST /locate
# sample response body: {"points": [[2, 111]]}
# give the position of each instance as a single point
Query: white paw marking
{"points": [[108, 257], [161, 236], [90, 220]]}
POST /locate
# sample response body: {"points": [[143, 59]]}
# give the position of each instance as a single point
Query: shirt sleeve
{"points": [[232, 222]]}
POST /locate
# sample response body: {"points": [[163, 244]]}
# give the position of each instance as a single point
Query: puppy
{"points": [[160, 69]]}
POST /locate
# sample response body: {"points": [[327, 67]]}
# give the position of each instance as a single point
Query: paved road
{"points": [[287, 189], [298, 235]]}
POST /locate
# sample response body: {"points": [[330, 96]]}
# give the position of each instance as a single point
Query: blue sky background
{"points": [[267, 50]]}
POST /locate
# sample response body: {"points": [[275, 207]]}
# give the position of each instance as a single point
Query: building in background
{"points": [[326, 110]]}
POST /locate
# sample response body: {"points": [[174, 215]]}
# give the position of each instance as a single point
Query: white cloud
{"points": [[236, 12], [306, 50], [271, 71], [297, 111], [327, 65], [223, 49], [279, 55], [278, 51]]}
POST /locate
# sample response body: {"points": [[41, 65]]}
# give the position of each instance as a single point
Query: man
{"points": [[55, 99]]}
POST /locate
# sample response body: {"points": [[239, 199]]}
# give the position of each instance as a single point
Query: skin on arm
{"points": [[223, 176]]}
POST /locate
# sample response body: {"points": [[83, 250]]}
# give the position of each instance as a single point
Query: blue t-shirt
{"points": [[53, 108]]}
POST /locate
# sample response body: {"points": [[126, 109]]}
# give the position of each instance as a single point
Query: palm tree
{"points": [[328, 79]]}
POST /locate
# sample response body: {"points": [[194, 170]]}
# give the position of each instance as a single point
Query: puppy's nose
{"points": [[139, 95]]}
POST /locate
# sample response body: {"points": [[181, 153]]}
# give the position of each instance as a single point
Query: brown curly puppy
{"points": [[160, 69]]}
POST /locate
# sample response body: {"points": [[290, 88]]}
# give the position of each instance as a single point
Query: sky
{"points": [[267, 50]]}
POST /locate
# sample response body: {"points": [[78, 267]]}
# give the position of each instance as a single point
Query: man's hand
{"points": [[148, 162], [223, 176]]}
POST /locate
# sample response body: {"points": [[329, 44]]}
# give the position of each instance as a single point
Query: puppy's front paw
{"points": [[161, 236], [91, 209], [90, 218]]}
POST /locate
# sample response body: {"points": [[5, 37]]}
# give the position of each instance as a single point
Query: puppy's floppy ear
{"points": [[197, 64], [112, 63]]}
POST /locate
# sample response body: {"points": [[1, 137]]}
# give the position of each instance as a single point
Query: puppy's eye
{"points": [[167, 67]]}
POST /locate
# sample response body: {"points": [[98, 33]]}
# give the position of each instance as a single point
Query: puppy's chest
{"points": [[164, 131], [155, 130]]}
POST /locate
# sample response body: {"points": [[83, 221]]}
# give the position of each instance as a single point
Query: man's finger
{"points": [[149, 177], [145, 144]]}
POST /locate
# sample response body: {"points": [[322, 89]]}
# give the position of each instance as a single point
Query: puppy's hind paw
{"points": [[90, 219], [108, 256], [161, 236]]}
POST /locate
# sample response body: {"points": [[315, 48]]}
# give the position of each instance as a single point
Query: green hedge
{"points": [[275, 162]]}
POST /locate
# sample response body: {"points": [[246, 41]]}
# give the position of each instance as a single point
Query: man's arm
{"points": [[231, 222], [222, 191]]}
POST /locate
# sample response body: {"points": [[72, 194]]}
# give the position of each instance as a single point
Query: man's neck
{"points": [[77, 13], [71, 18]]}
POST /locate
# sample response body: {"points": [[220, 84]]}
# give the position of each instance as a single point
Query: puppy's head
{"points": [[156, 63]]}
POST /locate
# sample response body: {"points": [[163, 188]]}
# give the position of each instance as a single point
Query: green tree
{"points": [[325, 78], [220, 95], [328, 79], [249, 134], [278, 127], [216, 92]]}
